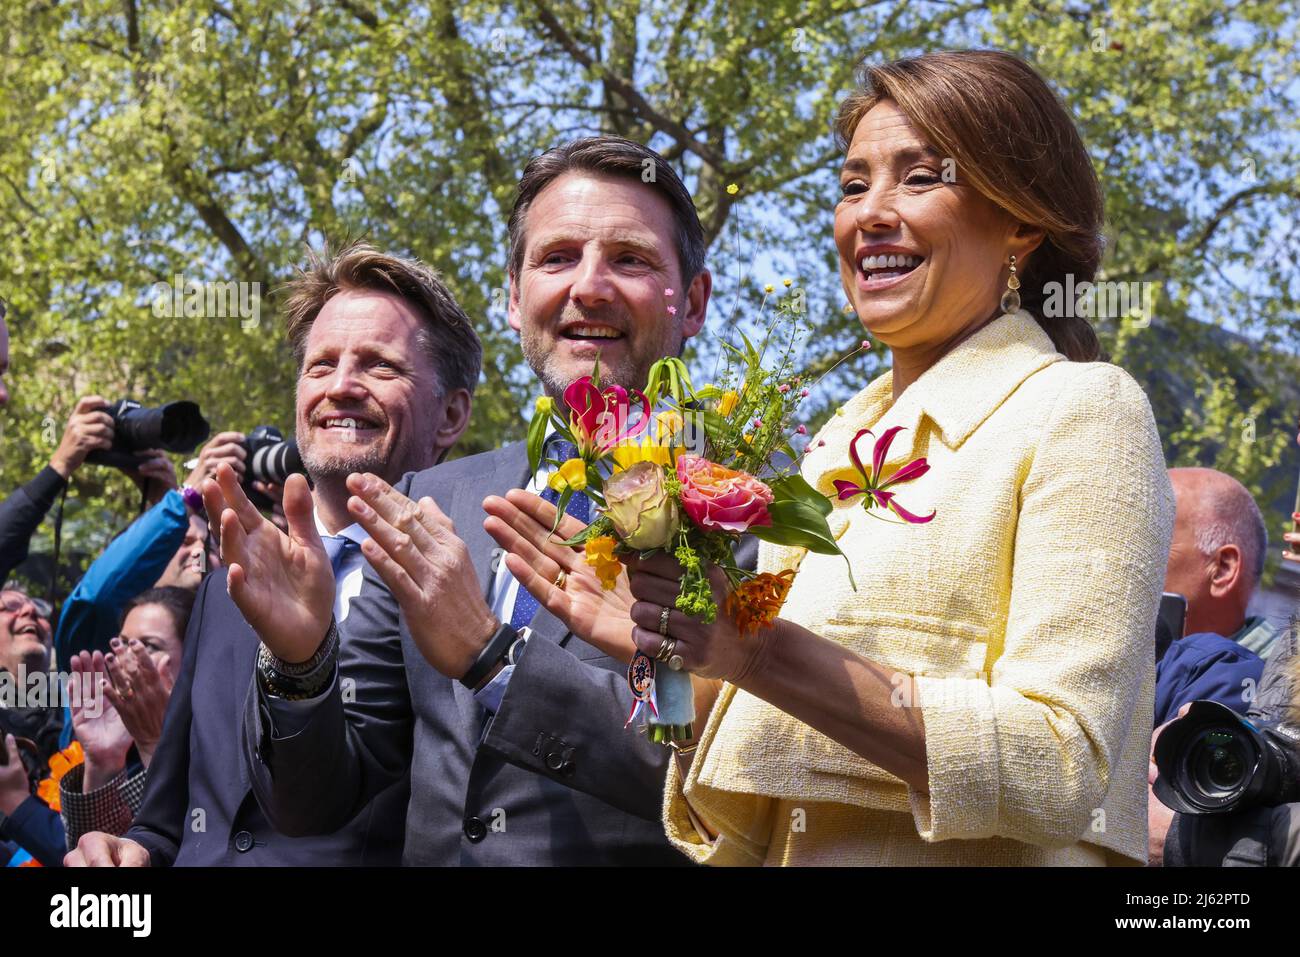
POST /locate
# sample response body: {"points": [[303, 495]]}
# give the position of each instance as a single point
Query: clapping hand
{"points": [[139, 691], [521, 524], [104, 737], [414, 548], [282, 583]]}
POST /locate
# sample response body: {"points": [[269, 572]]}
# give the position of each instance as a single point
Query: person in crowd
{"points": [[514, 738], [29, 736], [1261, 836], [166, 546], [969, 704], [119, 731], [387, 364], [1216, 566], [88, 428], [1215, 562]]}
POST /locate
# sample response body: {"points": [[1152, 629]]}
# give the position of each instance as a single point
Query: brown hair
{"points": [[621, 158], [1012, 140], [448, 338], [177, 602]]}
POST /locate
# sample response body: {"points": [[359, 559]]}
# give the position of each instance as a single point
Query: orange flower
{"points": [[600, 555], [754, 604], [60, 764]]}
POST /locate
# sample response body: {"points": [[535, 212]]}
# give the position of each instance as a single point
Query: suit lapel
{"points": [[506, 469]]}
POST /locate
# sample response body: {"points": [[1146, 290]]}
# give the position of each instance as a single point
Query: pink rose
{"points": [[720, 499]]}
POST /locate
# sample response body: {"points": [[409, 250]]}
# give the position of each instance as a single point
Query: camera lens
{"points": [[1218, 761]]}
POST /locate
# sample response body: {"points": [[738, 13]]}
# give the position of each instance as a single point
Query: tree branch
{"points": [[629, 93]]}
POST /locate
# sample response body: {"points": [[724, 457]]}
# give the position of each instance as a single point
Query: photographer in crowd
{"points": [[166, 546], [1215, 562], [1246, 775]]}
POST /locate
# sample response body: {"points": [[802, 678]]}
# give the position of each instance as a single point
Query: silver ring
{"points": [[676, 663], [663, 621]]}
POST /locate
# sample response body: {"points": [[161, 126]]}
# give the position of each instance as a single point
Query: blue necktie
{"points": [[579, 507], [338, 547]]}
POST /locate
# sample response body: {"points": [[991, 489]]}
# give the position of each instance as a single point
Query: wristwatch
{"points": [[498, 647]]}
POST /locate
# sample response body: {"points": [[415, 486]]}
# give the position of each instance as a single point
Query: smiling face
{"points": [[599, 254], [921, 258], [192, 560], [368, 395], [21, 641], [155, 628]]}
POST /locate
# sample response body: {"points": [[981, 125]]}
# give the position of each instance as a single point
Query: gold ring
{"points": [[129, 692], [666, 649], [663, 621], [561, 578]]}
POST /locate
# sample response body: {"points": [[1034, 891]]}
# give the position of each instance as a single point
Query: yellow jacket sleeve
{"points": [[1026, 751]]}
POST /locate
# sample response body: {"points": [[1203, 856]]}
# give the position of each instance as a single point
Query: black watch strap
{"points": [[496, 648]]}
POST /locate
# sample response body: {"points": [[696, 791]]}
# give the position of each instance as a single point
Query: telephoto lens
{"points": [[271, 458], [1214, 761], [175, 426]]}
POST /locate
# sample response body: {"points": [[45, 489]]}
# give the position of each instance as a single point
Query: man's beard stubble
{"points": [[331, 467], [629, 371]]}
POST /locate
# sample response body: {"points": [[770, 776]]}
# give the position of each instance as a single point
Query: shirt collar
{"points": [[957, 393], [353, 531]]}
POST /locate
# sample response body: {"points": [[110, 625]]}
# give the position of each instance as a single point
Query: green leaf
{"points": [[536, 436], [795, 488], [797, 523]]}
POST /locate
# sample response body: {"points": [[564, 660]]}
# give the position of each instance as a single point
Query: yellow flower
{"points": [[733, 189], [572, 475], [627, 454], [544, 404], [787, 283], [768, 288], [727, 404], [749, 439], [669, 423], [600, 555]]}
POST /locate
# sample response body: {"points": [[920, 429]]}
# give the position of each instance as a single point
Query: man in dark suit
{"points": [[387, 365], [512, 728]]}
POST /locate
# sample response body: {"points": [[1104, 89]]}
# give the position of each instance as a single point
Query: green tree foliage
{"points": [[210, 140]]}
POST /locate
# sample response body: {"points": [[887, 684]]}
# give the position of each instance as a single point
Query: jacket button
{"points": [[475, 829], [243, 842], [555, 760]]}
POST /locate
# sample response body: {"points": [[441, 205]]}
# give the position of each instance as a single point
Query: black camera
{"points": [[175, 426], [271, 458], [1214, 761]]}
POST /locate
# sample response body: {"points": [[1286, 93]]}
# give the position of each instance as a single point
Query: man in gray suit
{"points": [[511, 726]]}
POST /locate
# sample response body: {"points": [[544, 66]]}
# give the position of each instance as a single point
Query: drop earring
{"points": [[1011, 298]]}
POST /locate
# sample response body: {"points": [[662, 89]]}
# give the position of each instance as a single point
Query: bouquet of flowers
{"points": [[687, 471]]}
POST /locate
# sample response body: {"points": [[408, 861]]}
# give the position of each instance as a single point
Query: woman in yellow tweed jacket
{"points": [[984, 696]]}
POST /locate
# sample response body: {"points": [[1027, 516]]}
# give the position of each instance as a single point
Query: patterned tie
{"points": [[579, 507], [338, 547]]}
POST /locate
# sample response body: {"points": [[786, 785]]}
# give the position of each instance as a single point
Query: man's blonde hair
{"points": [[448, 338]]}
